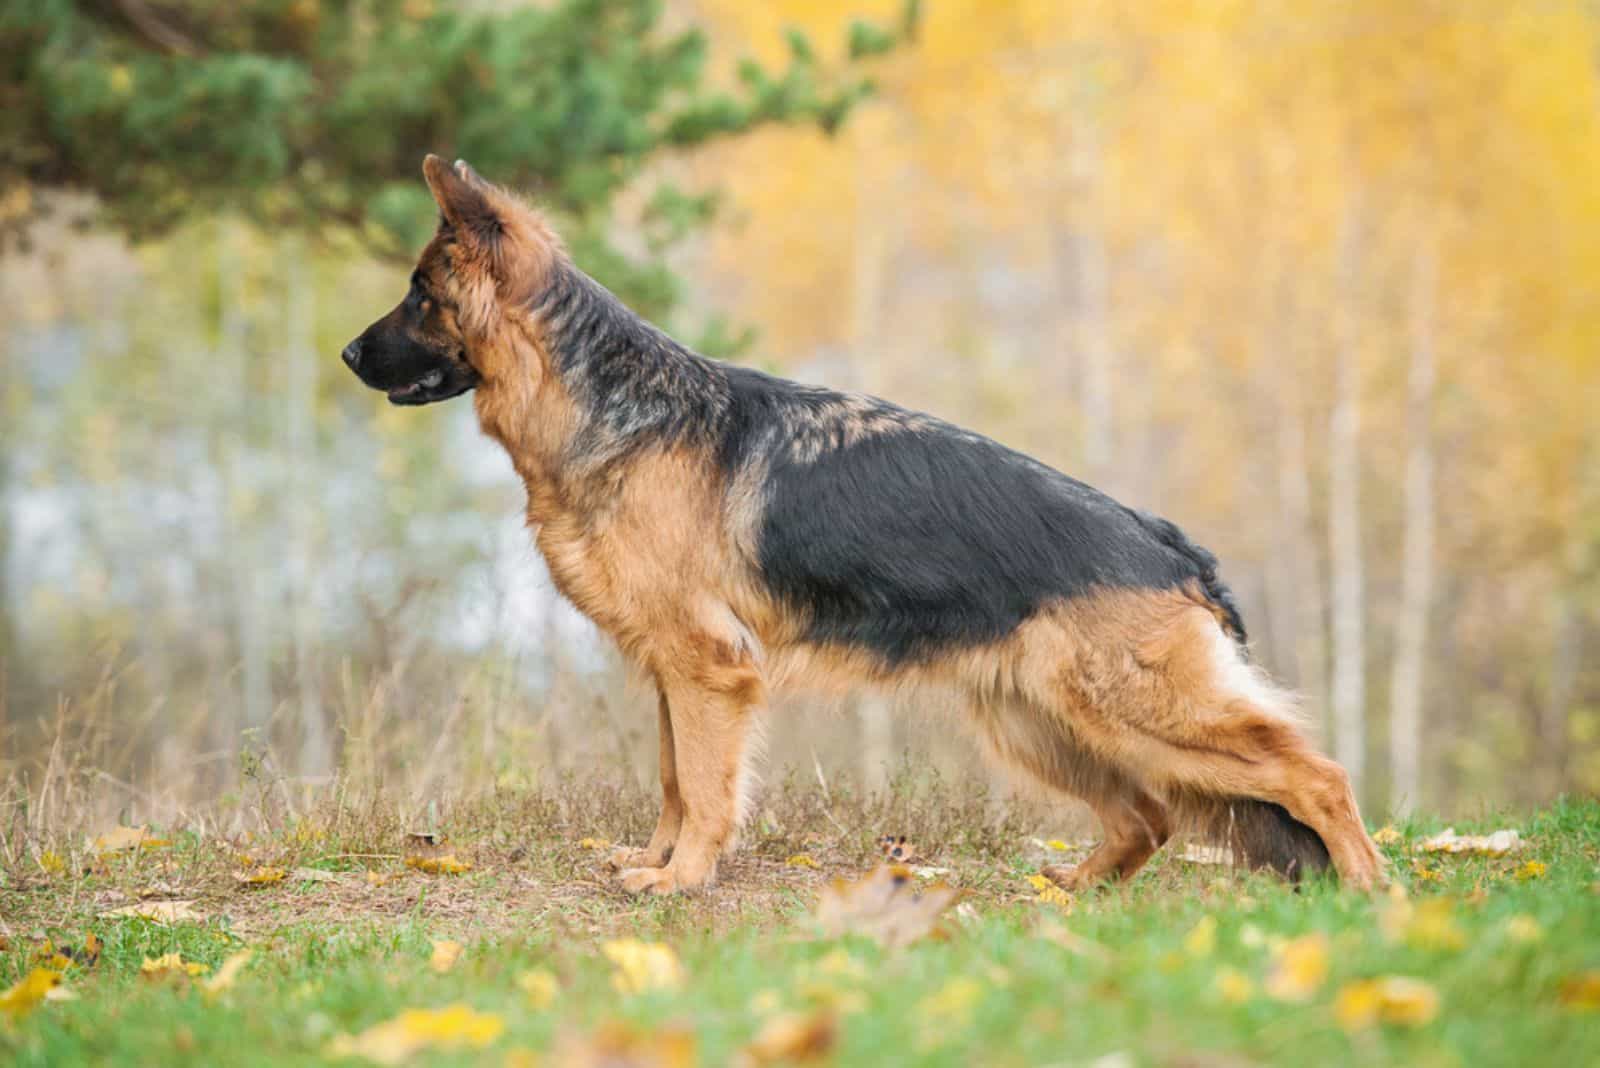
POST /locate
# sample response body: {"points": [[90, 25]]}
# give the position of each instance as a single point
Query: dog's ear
{"points": [[465, 200]]}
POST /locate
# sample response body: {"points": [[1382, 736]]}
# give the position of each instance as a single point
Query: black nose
{"points": [[352, 354]]}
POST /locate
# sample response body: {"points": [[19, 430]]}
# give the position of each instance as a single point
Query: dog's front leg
{"points": [[659, 851], [710, 722]]}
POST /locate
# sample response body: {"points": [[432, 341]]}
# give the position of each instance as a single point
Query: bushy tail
{"points": [[1260, 834], [1205, 565]]}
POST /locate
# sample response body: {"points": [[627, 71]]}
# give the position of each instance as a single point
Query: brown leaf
{"points": [[793, 1037], [618, 1046], [159, 911], [886, 906]]}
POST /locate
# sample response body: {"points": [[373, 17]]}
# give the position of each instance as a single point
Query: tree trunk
{"points": [[1095, 350], [1416, 591], [300, 399], [1348, 689]]}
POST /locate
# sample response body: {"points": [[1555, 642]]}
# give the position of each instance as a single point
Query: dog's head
{"points": [[489, 250]]}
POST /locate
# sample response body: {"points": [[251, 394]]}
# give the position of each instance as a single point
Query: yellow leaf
{"points": [[1582, 992], [445, 865], [260, 877], [1201, 941], [33, 988], [456, 1026], [171, 964], [793, 1037], [1531, 869], [158, 911], [1234, 986], [445, 955], [801, 860], [594, 843], [1387, 835], [541, 986], [1395, 999], [1039, 882], [1299, 969], [228, 974], [377, 878], [1432, 926], [642, 966], [122, 839], [1058, 844], [52, 863], [1054, 895], [1524, 928]]}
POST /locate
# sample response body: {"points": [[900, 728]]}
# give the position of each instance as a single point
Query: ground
{"points": [[354, 919]]}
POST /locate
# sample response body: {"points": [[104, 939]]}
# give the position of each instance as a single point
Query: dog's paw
{"points": [[623, 858], [649, 880], [1071, 878]]}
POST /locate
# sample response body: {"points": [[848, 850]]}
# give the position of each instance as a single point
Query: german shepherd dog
{"points": [[740, 535]]}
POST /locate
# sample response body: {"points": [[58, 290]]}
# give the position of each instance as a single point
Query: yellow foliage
{"points": [[170, 965], [642, 966], [1299, 968], [541, 986], [33, 988], [454, 1027], [445, 865], [228, 974], [1394, 999], [445, 955]]}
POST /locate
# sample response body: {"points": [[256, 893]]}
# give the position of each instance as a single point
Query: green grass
{"points": [[1012, 981]]}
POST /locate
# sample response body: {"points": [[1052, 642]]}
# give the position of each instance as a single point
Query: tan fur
{"points": [[1126, 699]]}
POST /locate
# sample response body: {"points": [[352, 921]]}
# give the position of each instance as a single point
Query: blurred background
{"points": [[1315, 278]]}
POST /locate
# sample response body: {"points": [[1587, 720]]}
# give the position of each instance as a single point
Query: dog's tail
{"points": [[1259, 834], [1217, 596]]}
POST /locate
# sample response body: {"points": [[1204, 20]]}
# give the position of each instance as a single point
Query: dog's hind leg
{"points": [[1134, 822], [1185, 714], [659, 849], [1135, 825]]}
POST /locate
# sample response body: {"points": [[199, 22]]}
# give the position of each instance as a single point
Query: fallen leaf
{"points": [[541, 986], [1058, 845], [259, 877], [642, 966], [1388, 835], [33, 988], [793, 1037], [51, 863], [886, 905], [1431, 925], [228, 974], [801, 860], [122, 839], [1581, 992], [594, 843], [897, 849], [1299, 968], [445, 865], [1234, 986], [1394, 999], [159, 911], [1532, 869], [453, 1027], [445, 955], [1482, 845], [171, 965], [378, 878], [617, 1046]]}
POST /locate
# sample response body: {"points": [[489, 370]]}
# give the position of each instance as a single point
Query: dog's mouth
{"points": [[436, 385]]}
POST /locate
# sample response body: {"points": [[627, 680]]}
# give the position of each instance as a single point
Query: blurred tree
{"points": [[315, 114]]}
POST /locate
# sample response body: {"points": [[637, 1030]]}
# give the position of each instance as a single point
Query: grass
{"points": [[1174, 968]]}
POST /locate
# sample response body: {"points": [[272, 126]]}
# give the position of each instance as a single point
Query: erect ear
{"points": [[465, 200]]}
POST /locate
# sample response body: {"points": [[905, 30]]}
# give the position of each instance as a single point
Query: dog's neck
{"points": [[577, 381]]}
